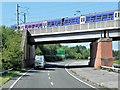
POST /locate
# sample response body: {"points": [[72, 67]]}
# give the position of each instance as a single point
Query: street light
{"points": [[78, 11]]}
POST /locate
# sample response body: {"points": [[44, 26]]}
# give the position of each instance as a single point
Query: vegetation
{"points": [[76, 52], [0, 49], [11, 49], [0, 61], [7, 76], [117, 61], [116, 54], [50, 52]]}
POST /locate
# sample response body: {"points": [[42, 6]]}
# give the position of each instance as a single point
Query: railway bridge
{"points": [[100, 34]]}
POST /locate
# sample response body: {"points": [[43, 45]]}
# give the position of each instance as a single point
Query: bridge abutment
{"points": [[28, 51], [101, 53], [29, 55]]}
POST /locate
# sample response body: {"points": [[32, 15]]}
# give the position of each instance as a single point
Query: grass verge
{"points": [[9, 75], [117, 62]]}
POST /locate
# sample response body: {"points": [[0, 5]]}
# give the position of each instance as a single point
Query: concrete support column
{"points": [[101, 53], [28, 51], [93, 49], [29, 55]]}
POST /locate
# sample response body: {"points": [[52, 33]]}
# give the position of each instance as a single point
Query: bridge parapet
{"points": [[112, 24]]}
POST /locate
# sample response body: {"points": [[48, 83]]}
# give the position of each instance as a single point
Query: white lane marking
{"points": [[51, 83], [48, 74], [48, 71], [17, 80], [49, 77], [78, 78]]}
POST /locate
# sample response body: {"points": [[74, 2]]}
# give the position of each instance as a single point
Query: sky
{"points": [[39, 10]]}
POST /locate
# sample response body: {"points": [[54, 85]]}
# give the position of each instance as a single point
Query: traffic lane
{"points": [[62, 79], [29, 74], [34, 79], [30, 78]]}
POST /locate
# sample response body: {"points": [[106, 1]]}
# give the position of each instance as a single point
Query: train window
{"points": [[69, 21], [104, 16], [73, 20], [115, 14], [33, 26], [98, 17], [66, 21], [88, 19], [44, 25], [52, 23], [29, 26], [118, 14], [58, 23], [25, 26], [37, 25], [81, 19], [76, 20], [49, 24], [110, 16], [40, 25], [92, 18]]}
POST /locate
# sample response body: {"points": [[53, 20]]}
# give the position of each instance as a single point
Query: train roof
{"points": [[91, 14]]}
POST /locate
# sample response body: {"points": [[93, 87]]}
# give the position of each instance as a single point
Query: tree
{"points": [[116, 54], [38, 51], [12, 51], [77, 52]]}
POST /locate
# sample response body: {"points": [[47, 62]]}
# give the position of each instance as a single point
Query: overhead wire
{"points": [[66, 10], [56, 12]]}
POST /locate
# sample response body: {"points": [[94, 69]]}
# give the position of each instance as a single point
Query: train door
{"points": [[117, 15], [82, 19], [44, 24]]}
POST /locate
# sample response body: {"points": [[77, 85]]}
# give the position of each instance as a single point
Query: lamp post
{"points": [[78, 11]]}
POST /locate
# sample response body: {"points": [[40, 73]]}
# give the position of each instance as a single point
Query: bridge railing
{"points": [[79, 27]]}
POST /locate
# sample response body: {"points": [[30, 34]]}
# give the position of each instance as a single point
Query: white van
{"points": [[39, 62]]}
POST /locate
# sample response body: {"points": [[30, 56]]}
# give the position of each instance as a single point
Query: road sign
{"points": [[60, 52]]}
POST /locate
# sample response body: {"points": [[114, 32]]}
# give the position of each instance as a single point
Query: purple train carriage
{"points": [[97, 17]]}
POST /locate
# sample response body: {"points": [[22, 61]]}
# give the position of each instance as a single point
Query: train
{"points": [[83, 19]]}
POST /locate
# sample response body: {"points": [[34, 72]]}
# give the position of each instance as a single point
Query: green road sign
{"points": [[60, 52]]}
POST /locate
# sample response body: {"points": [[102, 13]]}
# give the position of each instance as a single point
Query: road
{"points": [[54, 76]]}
